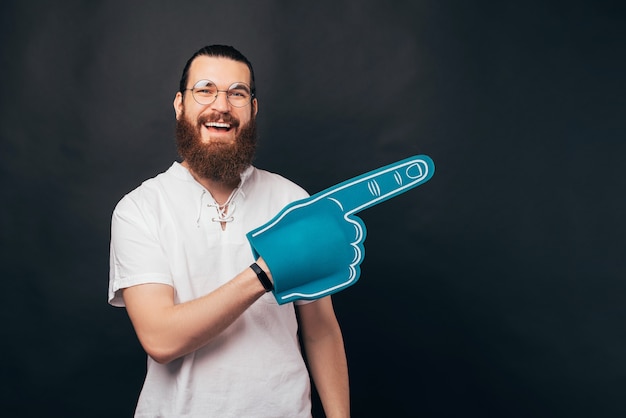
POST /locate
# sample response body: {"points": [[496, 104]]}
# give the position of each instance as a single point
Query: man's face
{"points": [[217, 140]]}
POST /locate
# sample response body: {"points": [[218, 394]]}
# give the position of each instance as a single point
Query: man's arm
{"points": [[168, 331], [323, 345]]}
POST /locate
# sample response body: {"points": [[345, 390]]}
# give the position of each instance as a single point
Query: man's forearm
{"points": [[329, 369], [168, 331], [324, 349]]}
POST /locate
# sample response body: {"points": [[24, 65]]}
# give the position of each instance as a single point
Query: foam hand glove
{"points": [[314, 246]]}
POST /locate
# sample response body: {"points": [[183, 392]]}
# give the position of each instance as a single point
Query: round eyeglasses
{"points": [[205, 92]]}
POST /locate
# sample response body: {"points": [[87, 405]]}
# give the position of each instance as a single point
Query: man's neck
{"points": [[220, 190]]}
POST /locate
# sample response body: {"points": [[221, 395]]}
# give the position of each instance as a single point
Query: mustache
{"points": [[217, 117]]}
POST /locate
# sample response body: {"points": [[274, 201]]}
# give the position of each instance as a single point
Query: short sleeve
{"points": [[136, 255]]}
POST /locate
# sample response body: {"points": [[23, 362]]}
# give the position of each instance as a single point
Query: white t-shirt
{"points": [[163, 232]]}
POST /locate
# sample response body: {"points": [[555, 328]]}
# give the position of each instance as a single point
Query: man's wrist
{"points": [[262, 276]]}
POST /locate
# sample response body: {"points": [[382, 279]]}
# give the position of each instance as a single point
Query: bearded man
{"points": [[218, 343]]}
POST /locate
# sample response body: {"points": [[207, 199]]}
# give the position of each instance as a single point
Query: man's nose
{"points": [[221, 103]]}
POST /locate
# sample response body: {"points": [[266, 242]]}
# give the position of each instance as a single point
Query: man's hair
{"points": [[223, 51]]}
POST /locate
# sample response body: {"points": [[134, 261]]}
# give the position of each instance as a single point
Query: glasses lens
{"points": [[239, 94], [204, 92]]}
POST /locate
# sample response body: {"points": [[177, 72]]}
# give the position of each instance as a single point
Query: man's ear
{"points": [[255, 106], [178, 104]]}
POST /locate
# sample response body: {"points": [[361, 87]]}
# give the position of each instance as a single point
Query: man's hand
{"points": [[314, 246]]}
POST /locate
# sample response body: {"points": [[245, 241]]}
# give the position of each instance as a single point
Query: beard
{"points": [[223, 162]]}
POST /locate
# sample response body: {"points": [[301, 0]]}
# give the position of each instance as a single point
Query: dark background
{"points": [[497, 289]]}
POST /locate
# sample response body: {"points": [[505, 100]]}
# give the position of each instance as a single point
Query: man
{"points": [[218, 343]]}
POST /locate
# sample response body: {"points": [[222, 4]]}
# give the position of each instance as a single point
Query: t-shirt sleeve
{"points": [[136, 256]]}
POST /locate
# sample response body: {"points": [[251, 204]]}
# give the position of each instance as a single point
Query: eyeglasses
{"points": [[205, 92]]}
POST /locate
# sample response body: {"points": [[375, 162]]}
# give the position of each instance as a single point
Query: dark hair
{"points": [[224, 51]]}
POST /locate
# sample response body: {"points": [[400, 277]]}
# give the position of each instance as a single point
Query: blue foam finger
{"points": [[314, 246]]}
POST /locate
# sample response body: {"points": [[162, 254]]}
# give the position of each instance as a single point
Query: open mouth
{"points": [[219, 126]]}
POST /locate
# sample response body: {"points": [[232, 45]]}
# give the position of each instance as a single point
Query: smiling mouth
{"points": [[222, 126]]}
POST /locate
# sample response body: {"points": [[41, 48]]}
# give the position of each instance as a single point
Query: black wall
{"points": [[497, 289]]}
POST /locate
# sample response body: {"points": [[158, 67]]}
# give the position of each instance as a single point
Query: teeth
{"points": [[217, 125]]}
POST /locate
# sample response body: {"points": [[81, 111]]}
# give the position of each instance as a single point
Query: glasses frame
{"points": [[195, 86]]}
